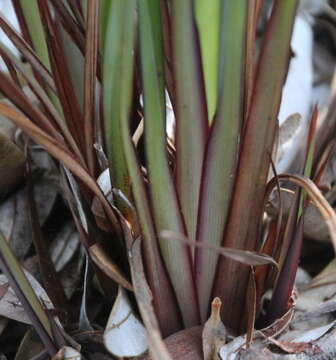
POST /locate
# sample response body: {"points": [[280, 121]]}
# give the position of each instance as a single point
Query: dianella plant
{"points": [[182, 201]]}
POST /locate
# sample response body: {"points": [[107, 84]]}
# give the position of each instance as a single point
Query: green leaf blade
{"points": [[257, 143], [34, 24], [208, 24], [222, 150], [166, 211], [118, 80], [12, 269], [191, 111]]}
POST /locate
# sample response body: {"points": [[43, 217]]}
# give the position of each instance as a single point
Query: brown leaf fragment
{"points": [[246, 257], [3, 290], [295, 347], [279, 325], [102, 260], [12, 165], [214, 332]]}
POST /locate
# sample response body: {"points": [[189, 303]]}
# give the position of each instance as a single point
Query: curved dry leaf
{"points": [[30, 346], [101, 259], [293, 347], [14, 222], [325, 209], [84, 322], [245, 257], [321, 288], [61, 153], [314, 225], [307, 336], [104, 182], [325, 277], [233, 350], [124, 335]]}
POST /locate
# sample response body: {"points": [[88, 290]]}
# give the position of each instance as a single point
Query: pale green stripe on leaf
{"points": [[32, 17], [207, 18]]}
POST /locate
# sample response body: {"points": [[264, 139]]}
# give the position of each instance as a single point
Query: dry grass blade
{"points": [[77, 11], [101, 259], [65, 88], [51, 280], [321, 165], [318, 199], [42, 96], [143, 295], [91, 56], [29, 54], [17, 96], [60, 153], [75, 31], [10, 67], [245, 257]]}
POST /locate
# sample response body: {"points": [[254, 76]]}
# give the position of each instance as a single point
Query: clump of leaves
{"points": [[100, 73]]}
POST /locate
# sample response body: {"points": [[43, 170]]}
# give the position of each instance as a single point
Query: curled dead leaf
{"points": [[124, 335], [101, 259]]}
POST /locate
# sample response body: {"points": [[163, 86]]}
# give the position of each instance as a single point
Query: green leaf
{"points": [[25, 293], [166, 211], [256, 147], [34, 24], [118, 82], [163, 297], [222, 149], [208, 24], [104, 16], [191, 111]]}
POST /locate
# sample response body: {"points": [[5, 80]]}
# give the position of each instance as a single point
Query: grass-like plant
{"points": [[100, 72]]}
